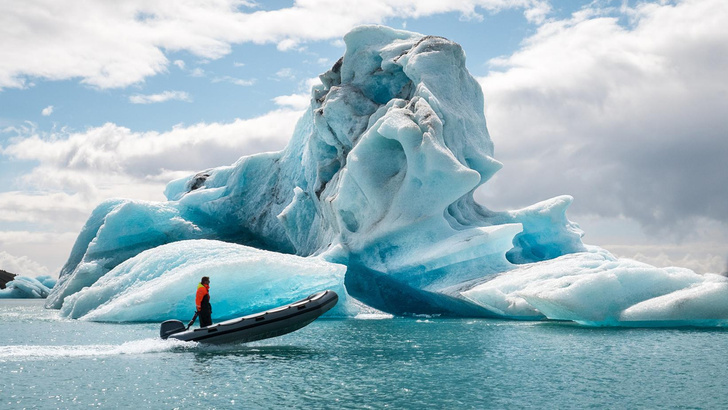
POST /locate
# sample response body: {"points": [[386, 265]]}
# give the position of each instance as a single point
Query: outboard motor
{"points": [[170, 327]]}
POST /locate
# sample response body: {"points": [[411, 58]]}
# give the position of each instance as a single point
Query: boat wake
{"points": [[135, 347]]}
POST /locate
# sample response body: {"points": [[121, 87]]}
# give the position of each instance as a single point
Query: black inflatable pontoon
{"points": [[264, 325]]}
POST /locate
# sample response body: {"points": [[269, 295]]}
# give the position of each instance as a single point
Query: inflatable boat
{"points": [[264, 325]]}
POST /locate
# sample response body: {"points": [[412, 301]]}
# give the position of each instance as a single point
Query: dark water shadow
{"points": [[568, 324]]}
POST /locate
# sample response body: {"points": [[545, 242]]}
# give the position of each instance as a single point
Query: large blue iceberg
{"points": [[373, 196]]}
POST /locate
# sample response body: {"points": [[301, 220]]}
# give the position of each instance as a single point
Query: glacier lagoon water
{"points": [[47, 361]]}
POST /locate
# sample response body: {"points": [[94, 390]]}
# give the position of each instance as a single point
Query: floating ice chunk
{"points": [[595, 288], [160, 284], [24, 287], [703, 304]]}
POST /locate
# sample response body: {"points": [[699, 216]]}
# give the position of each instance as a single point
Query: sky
{"points": [[621, 104]]}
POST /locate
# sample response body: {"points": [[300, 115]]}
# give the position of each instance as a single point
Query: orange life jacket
{"points": [[202, 291]]}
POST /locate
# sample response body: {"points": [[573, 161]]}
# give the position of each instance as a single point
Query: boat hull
{"points": [[258, 326]]}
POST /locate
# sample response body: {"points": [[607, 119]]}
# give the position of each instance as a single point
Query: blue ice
{"points": [[377, 185], [160, 283], [22, 287]]}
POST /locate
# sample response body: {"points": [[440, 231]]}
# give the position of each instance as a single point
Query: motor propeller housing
{"points": [[170, 327]]}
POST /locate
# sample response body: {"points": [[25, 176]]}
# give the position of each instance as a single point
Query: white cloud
{"points": [[310, 83], [180, 64], [76, 171], [197, 72], [116, 44], [295, 101], [102, 158], [21, 265], [684, 256], [35, 253], [703, 249], [237, 81], [286, 73], [302, 99], [45, 207], [288, 44], [630, 119], [161, 97], [538, 12], [47, 111]]}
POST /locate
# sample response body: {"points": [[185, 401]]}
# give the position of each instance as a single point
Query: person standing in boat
{"points": [[202, 300]]}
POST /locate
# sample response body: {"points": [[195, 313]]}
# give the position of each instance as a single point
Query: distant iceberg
{"points": [[374, 194], [25, 287]]}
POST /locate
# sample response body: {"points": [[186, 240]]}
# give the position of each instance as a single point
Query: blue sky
{"points": [[262, 71], [620, 104]]}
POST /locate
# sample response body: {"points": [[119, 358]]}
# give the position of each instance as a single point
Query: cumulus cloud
{"points": [[301, 100], [110, 150], [48, 208], [161, 97], [35, 253], [703, 248], [21, 265], [116, 44], [78, 170], [47, 111], [623, 109], [295, 101]]}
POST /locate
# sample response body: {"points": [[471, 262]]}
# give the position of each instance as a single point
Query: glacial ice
{"points": [[25, 287], [160, 283], [377, 181], [595, 288]]}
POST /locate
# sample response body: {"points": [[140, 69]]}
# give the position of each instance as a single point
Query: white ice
{"points": [[378, 176], [22, 287], [595, 288]]}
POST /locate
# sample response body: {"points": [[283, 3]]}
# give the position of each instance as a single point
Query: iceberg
{"points": [[160, 283], [596, 289], [25, 287], [373, 196]]}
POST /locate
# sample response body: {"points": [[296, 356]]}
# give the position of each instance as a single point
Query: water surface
{"points": [[51, 362]]}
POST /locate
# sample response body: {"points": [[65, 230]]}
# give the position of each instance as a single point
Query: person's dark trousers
{"points": [[205, 318]]}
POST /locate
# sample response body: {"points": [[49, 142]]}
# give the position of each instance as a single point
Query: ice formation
{"points": [[378, 176], [595, 288], [160, 283], [24, 287]]}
